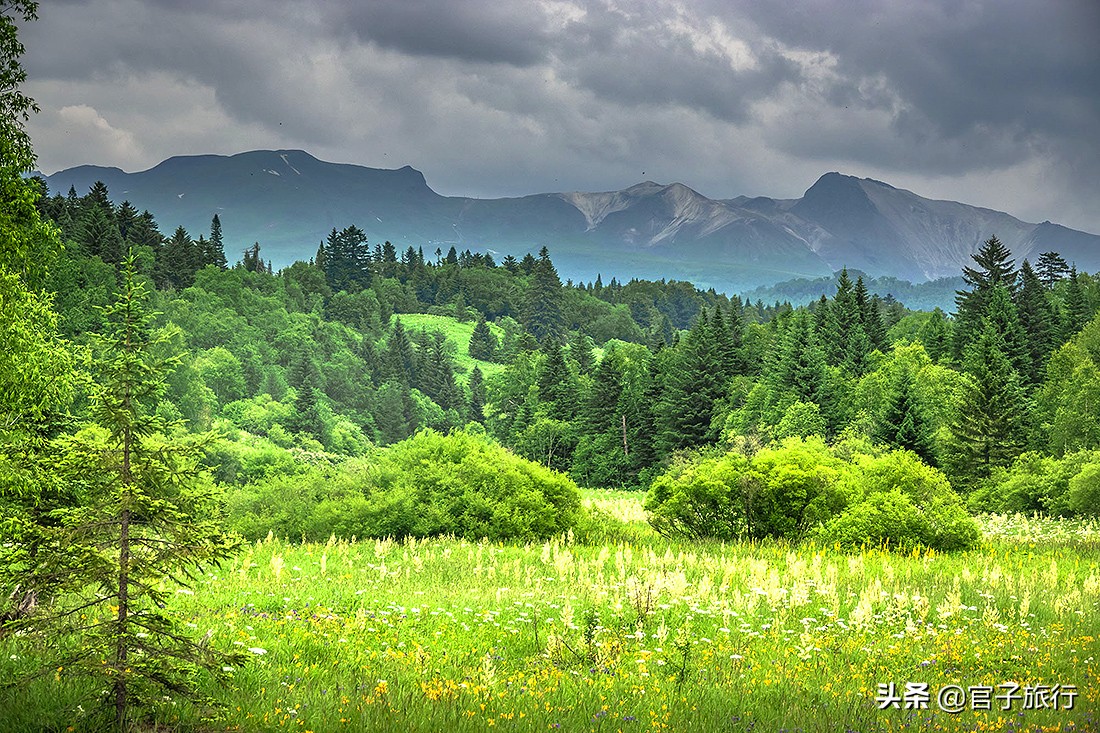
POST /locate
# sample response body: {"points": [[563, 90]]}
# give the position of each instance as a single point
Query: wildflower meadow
{"points": [[586, 633]]}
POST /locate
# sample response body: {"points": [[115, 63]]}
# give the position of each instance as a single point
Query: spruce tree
{"points": [[399, 360], [990, 424], [995, 268], [477, 396], [557, 390], [580, 351], [149, 520], [483, 343], [1038, 321], [543, 316], [903, 425], [217, 244], [691, 384], [1051, 269], [1078, 312], [935, 334], [99, 235]]}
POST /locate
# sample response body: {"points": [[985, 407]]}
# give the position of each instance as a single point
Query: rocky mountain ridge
{"points": [[289, 201]]}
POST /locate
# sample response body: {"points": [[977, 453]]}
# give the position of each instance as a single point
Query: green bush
{"points": [[700, 497], [803, 488], [427, 485], [1084, 491], [792, 487], [464, 485], [1035, 483], [883, 518]]}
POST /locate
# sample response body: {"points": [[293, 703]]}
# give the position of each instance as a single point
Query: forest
{"points": [[171, 411]]}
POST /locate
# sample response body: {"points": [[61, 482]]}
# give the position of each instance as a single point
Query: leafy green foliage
{"points": [[802, 488], [429, 485], [146, 516]]}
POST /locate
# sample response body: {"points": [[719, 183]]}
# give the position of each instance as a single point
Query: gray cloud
{"points": [[502, 98]]}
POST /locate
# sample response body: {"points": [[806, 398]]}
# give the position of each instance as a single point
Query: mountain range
{"points": [[288, 201]]}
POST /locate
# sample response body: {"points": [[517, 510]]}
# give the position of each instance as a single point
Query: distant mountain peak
{"points": [[288, 200]]}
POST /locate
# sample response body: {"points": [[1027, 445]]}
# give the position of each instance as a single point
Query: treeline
{"points": [[607, 382]]}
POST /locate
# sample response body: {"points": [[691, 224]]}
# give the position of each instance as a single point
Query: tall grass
{"points": [[625, 635]]}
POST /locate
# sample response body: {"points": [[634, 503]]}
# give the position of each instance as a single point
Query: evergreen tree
{"points": [[800, 370], [728, 359], [99, 235], [994, 268], [849, 308], [874, 325], [935, 334], [483, 343], [1038, 322], [477, 396], [691, 384], [827, 332], [182, 258], [580, 351], [990, 424], [600, 410], [1051, 269], [399, 362], [903, 425], [126, 218], [217, 244], [1002, 316], [1078, 312], [149, 518], [556, 387], [544, 318]]}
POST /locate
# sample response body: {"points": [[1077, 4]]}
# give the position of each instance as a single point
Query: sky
{"points": [[989, 102]]}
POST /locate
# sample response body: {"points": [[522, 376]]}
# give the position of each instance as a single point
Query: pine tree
{"points": [[150, 519], [217, 244], [990, 425], [483, 343], [1051, 269], [543, 315]]}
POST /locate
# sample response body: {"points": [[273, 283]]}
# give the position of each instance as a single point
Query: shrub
{"points": [[1035, 483], [801, 488], [700, 498], [427, 485], [882, 518], [1084, 491], [462, 484]]}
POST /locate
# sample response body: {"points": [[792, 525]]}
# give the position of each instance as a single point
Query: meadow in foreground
{"points": [[608, 634]]}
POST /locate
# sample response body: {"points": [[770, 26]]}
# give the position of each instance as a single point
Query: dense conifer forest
{"points": [[363, 346]]}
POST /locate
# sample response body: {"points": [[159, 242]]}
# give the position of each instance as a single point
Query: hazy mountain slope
{"points": [[289, 201]]}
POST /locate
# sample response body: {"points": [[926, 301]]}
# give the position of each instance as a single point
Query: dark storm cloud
{"points": [[494, 97], [964, 71], [472, 30]]}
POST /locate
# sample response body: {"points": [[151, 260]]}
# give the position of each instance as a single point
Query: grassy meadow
{"points": [[626, 631], [458, 338]]}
